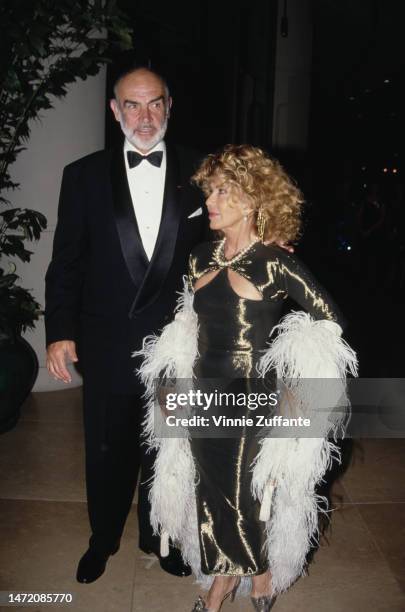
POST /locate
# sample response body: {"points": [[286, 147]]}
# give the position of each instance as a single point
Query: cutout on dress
{"points": [[205, 279], [243, 287], [238, 283]]}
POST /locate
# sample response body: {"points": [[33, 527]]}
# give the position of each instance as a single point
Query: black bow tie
{"points": [[154, 158]]}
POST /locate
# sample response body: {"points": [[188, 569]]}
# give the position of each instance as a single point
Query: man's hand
{"points": [[286, 246], [283, 245], [56, 354]]}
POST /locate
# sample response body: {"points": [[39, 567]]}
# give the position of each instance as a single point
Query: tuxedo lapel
{"points": [[166, 241], [127, 227]]}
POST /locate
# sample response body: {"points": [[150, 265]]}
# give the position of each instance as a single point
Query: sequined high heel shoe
{"points": [[263, 603], [201, 606]]}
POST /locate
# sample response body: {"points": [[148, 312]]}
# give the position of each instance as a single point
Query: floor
{"points": [[43, 528]]}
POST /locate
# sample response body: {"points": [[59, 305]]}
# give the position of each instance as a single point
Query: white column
{"points": [[70, 130], [293, 77]]}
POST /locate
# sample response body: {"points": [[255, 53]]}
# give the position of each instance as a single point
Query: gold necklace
{"points": [[220, 257]]}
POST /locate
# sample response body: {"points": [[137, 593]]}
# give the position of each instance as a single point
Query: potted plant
{"points": [[18, 312], [44, 46]]}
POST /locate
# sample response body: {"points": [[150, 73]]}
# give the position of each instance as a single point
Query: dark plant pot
{"points": [[18, 373]]}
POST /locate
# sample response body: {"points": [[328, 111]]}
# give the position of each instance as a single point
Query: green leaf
{"points": [[38, 50], [7, 280]]}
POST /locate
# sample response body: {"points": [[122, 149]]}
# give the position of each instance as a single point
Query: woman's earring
{"points": [[261, 224]]}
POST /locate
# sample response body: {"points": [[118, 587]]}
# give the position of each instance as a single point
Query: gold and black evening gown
{"points": [[233, 332]]}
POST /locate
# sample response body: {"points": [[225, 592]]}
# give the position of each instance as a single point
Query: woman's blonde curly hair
{"points": [[271, 190]]}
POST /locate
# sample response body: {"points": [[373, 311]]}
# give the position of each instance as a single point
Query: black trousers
{"points": [[115, 458]]}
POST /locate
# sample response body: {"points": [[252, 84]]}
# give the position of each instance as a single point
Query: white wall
{"points": [[73, 128], [293, 77]]}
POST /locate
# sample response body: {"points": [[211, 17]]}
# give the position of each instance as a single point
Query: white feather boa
{"points": [[285, 469]]}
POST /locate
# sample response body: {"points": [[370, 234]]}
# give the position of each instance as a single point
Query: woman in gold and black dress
{"points": [[239, 285]]}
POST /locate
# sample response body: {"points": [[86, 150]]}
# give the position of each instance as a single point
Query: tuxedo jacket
{"points": [[101, 289]]}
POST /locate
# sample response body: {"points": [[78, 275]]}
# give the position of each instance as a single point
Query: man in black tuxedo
{"points": [[127, 221]]}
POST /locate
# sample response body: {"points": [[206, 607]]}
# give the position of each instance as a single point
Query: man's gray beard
{"points": [[145, 145]]}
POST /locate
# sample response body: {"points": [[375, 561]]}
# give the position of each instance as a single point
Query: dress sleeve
{"points": [[200, 262], [191, 271], [298, 283]]}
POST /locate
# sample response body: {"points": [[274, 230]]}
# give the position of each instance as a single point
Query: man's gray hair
{"points": [[140, 69]]}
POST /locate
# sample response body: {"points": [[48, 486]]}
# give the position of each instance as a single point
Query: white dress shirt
{"points": [[147, 184]]}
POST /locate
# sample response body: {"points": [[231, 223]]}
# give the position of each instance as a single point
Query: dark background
{"points": [[208, 50], [204, 49]]}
